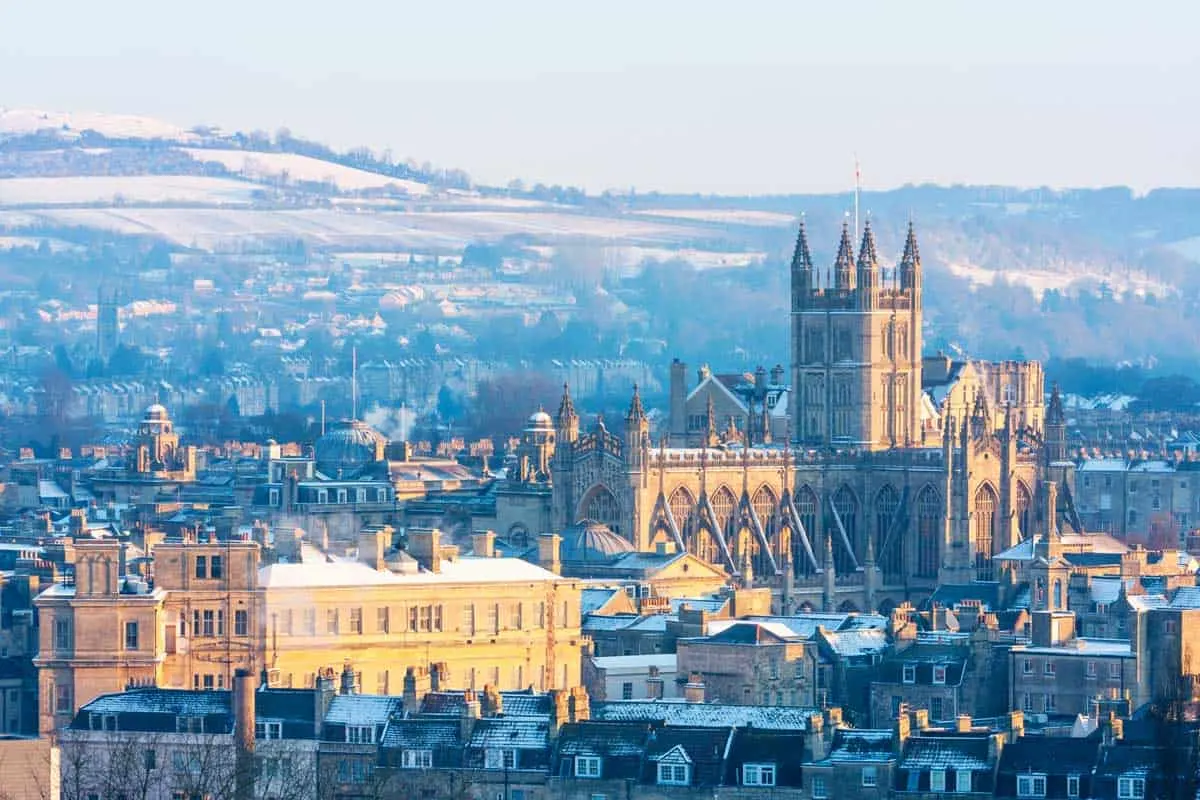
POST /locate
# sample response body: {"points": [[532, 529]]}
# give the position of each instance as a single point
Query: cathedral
{"points": [[875, 476]]}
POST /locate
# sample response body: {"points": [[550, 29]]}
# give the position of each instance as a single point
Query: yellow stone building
{"points": [[214, 608]]}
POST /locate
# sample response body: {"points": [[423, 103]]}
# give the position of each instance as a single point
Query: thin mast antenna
{"points": [[354, 383], [857, 189]]}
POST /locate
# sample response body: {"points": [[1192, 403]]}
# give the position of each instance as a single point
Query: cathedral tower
{"points": [[856, 348]]}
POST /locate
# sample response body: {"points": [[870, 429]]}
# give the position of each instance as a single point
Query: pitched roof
{"points": [[955, 752], [753, 633], [860, 745], [1051, 755], [678, 712], [703, 747], [363, 709], [515, 704]]}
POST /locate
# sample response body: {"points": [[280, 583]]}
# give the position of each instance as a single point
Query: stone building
{"points": [[158, 465], [894, 472], [752, 663]]}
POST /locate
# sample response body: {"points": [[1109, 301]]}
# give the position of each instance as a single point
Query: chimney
{"points": [[833, 718], [560, 710], [348, 682], [900, 731], [654, 684], [919, 719], [323, 694], [483, 544], [468, 717], [243, 699], [962, 724], [1016, 725], [425, 545], [548, 552], [693, 692], [1113, 728], [416, 686], [491, 703], [439, 677], [580, 704], [373, 544]]}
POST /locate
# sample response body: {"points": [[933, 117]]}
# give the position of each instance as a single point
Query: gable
{"points": [[676, 755], [720, 392], [690, 567]]}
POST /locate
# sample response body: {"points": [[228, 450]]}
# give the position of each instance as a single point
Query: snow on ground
{"points": [[71, 125], [633, 256], [56, 245], [1188, 248], [80, 189], [730, 216], [303, 168], [1042, 281], [220, 228]]}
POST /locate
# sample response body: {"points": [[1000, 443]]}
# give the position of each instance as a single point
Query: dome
{"points": [[588, 540], [540, 419], [350, 446], [156, 412]]}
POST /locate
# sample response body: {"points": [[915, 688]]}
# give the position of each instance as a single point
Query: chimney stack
{"points": [[962, 724], [373, 544], [560, 710], [483, 544], [425, 545], [243, 699], [900, 731], [654, 684], [349, 685], [416, 686], [469, 716], [693, 692], [548, 552]]}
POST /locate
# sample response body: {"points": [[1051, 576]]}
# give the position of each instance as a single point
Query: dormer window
{"points": [[417, 759], [939, 673], [587, 766], [1033, 785], [758, 775], [360, 734], [102, 722], [1131, 788], [268, 729], [499, 758], [675, 768], [909, 674]]}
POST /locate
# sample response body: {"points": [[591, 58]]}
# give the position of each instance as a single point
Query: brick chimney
{"points": [[323, 695], [693, 692], [439, 676], [425, 545], [483, 544], [1016, 725], [962, 723], [417, 684], [560, 710], [491, 703], [373, 544], [468, 716], [348, 679], [900, 731], [548, 552], [580, 704], [654, 684]]}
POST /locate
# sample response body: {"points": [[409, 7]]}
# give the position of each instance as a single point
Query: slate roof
{"points": [[751, 633], [924, 657], [951, 752], [1186, 597], [177, 702], [421, 733], [604, 622], [515, 704], [857, 643], [705, 747], [860, 745], [592, 600], [773, 747], [1092, 559], [1056, 757], [678, 712], [952, 594], [153, 709], [512, 733], [363, 709]]}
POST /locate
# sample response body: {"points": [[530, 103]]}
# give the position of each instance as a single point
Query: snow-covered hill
{"points": [[70, 125]]}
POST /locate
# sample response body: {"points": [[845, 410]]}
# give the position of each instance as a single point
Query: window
{"points": [[437, 618], [62, 698], [1091, 670], [493, 618], [1031, 785], [937, 780], [627, 691], [331, 621], [673, 774], [356, 620], [188, 725], [201, 566], [758, 775], [1131, 788], [150, 759], [587, 767], [341, 496], [910, 673], [468, 623], [322, 496], [496, 758], [425, 618], [216, 568], [1027, 703], [516, 616], [939, 673], [936, 708], [273, 497], [1114, 670], [870, 776], [360, 734], [268, 730], [1028, 668], [381, 619], [360, 495], [1049, 667], [1169, 626], [220, 622], [209, 685], [310, 621], [209, 619], [62, 634], [131, 636], [417, 759], [1051, 702], [241, 622], [1072, 786], [962, 780], [819, 791]]}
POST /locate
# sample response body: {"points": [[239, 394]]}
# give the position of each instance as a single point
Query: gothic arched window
{"points": [[806, 508], [985, 531], [846, 505], [601, 505], [1024, 510], [683, 510], [888, 549], [766, 508], [929, 532]]}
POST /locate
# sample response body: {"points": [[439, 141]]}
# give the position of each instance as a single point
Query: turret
{"points": [[910, 263], [711, 439], [868, 271], [829, 590], [567, 421], [1056, 428], [802, 270], [843, 265], [637, 428]]}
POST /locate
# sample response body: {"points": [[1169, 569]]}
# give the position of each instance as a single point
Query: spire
{"points": [[867, 256], [711, 438], [1055, 414], [802, 264], [566, 408], [910, 262], [636, 412], [843, 265], [868, 268]]}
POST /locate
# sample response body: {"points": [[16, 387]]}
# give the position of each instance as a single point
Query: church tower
{"points": [[856, 348]]}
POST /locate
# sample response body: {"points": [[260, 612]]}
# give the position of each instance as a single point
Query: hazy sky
{"points": [[688, 96]]}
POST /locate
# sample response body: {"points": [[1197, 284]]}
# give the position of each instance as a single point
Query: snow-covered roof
{"points": [[349, 573], [703, 715], [362, 709], [666, 662]]}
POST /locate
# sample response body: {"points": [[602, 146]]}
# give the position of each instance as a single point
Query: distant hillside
{"points": [[1099, 274]]}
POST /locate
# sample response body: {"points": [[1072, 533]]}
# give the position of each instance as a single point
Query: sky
{"points": [[697, 96]]}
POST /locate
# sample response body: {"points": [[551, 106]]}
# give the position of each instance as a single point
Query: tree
{"points": [[503, 404]]}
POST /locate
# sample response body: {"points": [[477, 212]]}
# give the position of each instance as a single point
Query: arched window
{"points": [[1058, 603], [846, 505], [929, 532], [985, 531], [601, 505], [806, 508], [1024, 510], [723, 506], [683, 510], [766, 508], [888, 549]]}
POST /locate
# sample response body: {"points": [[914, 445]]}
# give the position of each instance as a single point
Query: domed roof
{"points": [[157, 412], [540, 419], [347, 448], [588, 540]]}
